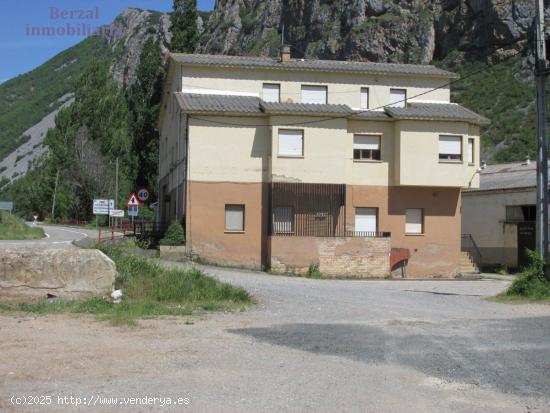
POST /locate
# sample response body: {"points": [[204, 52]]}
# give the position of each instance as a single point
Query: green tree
{"points": [[143, 103], [184, 29]]}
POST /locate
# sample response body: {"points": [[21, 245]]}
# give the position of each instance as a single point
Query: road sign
{"points": [[102, 206], [6, 206], [143, 194], [116, 213], [132, 211], [133, 200]]}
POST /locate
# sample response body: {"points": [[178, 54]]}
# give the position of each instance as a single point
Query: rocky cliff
{"points": [[391, 31]]}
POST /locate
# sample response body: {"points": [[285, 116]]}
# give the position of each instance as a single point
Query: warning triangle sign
{"points": [[133, 200]]}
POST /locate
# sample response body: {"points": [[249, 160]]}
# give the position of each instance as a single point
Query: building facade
{"points": [[499, 217], [290, 164]]}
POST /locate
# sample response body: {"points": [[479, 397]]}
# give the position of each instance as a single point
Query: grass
{"points": [[13, 228], [528, 286], [149, 291]]}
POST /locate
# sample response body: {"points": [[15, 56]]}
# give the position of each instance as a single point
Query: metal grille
{"points": [[314, 210]]}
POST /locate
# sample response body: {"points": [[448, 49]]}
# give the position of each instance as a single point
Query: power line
{"points": [[451, 82]]}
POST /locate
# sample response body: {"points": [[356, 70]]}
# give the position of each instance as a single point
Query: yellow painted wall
{"points": [[342, 88], [228, 154], [419, 154]]}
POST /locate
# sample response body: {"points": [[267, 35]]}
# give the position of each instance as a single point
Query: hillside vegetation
{"points": [[26, 99]]}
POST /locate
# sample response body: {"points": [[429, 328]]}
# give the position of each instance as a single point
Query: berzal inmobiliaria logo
{"points": [[73, 22]]}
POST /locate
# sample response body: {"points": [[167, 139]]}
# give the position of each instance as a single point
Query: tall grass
{"points": [[13, 228], [531, 284], [149, 290]]}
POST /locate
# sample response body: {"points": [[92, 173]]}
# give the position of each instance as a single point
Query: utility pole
{"points": [[55, 192], [541, 72], [116, 183]]}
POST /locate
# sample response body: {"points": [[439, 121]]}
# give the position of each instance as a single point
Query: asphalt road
{"points": [[307, 346], [56, 237]]}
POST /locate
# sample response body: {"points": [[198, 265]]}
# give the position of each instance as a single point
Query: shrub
{"points": [[531, 283], [314, 272], [174, 236]]}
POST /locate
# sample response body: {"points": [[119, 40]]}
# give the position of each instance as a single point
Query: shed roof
{"points": [[507, 176]]}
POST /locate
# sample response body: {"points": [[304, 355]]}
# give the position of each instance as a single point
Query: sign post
{"points": [[133, 204]]}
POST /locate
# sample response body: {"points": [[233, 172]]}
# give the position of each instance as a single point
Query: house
{"points": [[290, 164], [499, 217]]}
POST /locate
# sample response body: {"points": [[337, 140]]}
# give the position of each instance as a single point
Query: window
{"points": [[291, 142], [364, 98], [471, 151], [414, 221], [521, 213], [398, 98], [314, 94], [234, 218], [271, 92], [450, 148], [366, 219], [366, 147], [283, 217]]}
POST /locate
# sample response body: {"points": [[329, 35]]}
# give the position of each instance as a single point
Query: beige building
{"points": [[292, 164], [499, 216]]}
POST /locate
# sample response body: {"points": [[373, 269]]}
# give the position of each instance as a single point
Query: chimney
{"points": [[285, 54]]}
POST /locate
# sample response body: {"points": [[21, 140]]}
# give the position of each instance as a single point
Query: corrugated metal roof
{"points": [[312, 65], [306, 108], [218, 103], [507, 176], [446, 111]]}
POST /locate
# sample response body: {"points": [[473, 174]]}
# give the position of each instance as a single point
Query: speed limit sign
{"points": [[143, 194]]}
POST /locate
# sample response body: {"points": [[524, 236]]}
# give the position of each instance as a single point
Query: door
{"points": [[526, 240], [366, 220]]}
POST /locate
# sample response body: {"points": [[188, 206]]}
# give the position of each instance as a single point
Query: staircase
{"points": [[467, 264]]}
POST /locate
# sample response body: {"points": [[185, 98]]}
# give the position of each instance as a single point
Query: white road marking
{"points": [[74, 232], [47, 235]]}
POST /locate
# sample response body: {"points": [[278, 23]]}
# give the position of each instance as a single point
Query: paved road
{"points": [[56, 237], [308, 346]]}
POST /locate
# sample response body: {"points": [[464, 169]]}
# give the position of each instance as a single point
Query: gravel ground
{"points": [[307, 346]]}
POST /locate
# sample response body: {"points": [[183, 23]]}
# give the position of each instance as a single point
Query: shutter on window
{"points": [[413, 223], [234, 217], [470, 151], [397, 98], [270, 92], [314, 94], [366, 142], [290, 142], [364, 98], [450, 145], [365, 219]]}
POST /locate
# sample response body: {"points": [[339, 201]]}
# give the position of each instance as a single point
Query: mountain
{"points": [[486, 41]]}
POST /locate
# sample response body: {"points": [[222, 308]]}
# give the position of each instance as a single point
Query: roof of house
{"points": [[195, 103], [306, 108], [444, 111], [252, 105], [507, 176], [312, 65]]}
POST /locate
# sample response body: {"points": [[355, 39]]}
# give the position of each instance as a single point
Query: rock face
{"points": [[64, 273], [407, 31]]}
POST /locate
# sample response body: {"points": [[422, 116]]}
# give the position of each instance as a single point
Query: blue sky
{"points": [[20, 52]]}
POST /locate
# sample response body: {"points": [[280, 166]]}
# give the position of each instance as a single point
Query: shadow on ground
{"points": [[511, 355]]}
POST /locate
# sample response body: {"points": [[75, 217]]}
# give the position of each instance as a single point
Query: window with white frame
{"points": [[366, 147], [450, 148], [234, 218], [364, 98], [283, 218], [314, 94], [271, 92], [366, 220], [398, 98], [291, 142], [471, 151], [414, 221]]}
